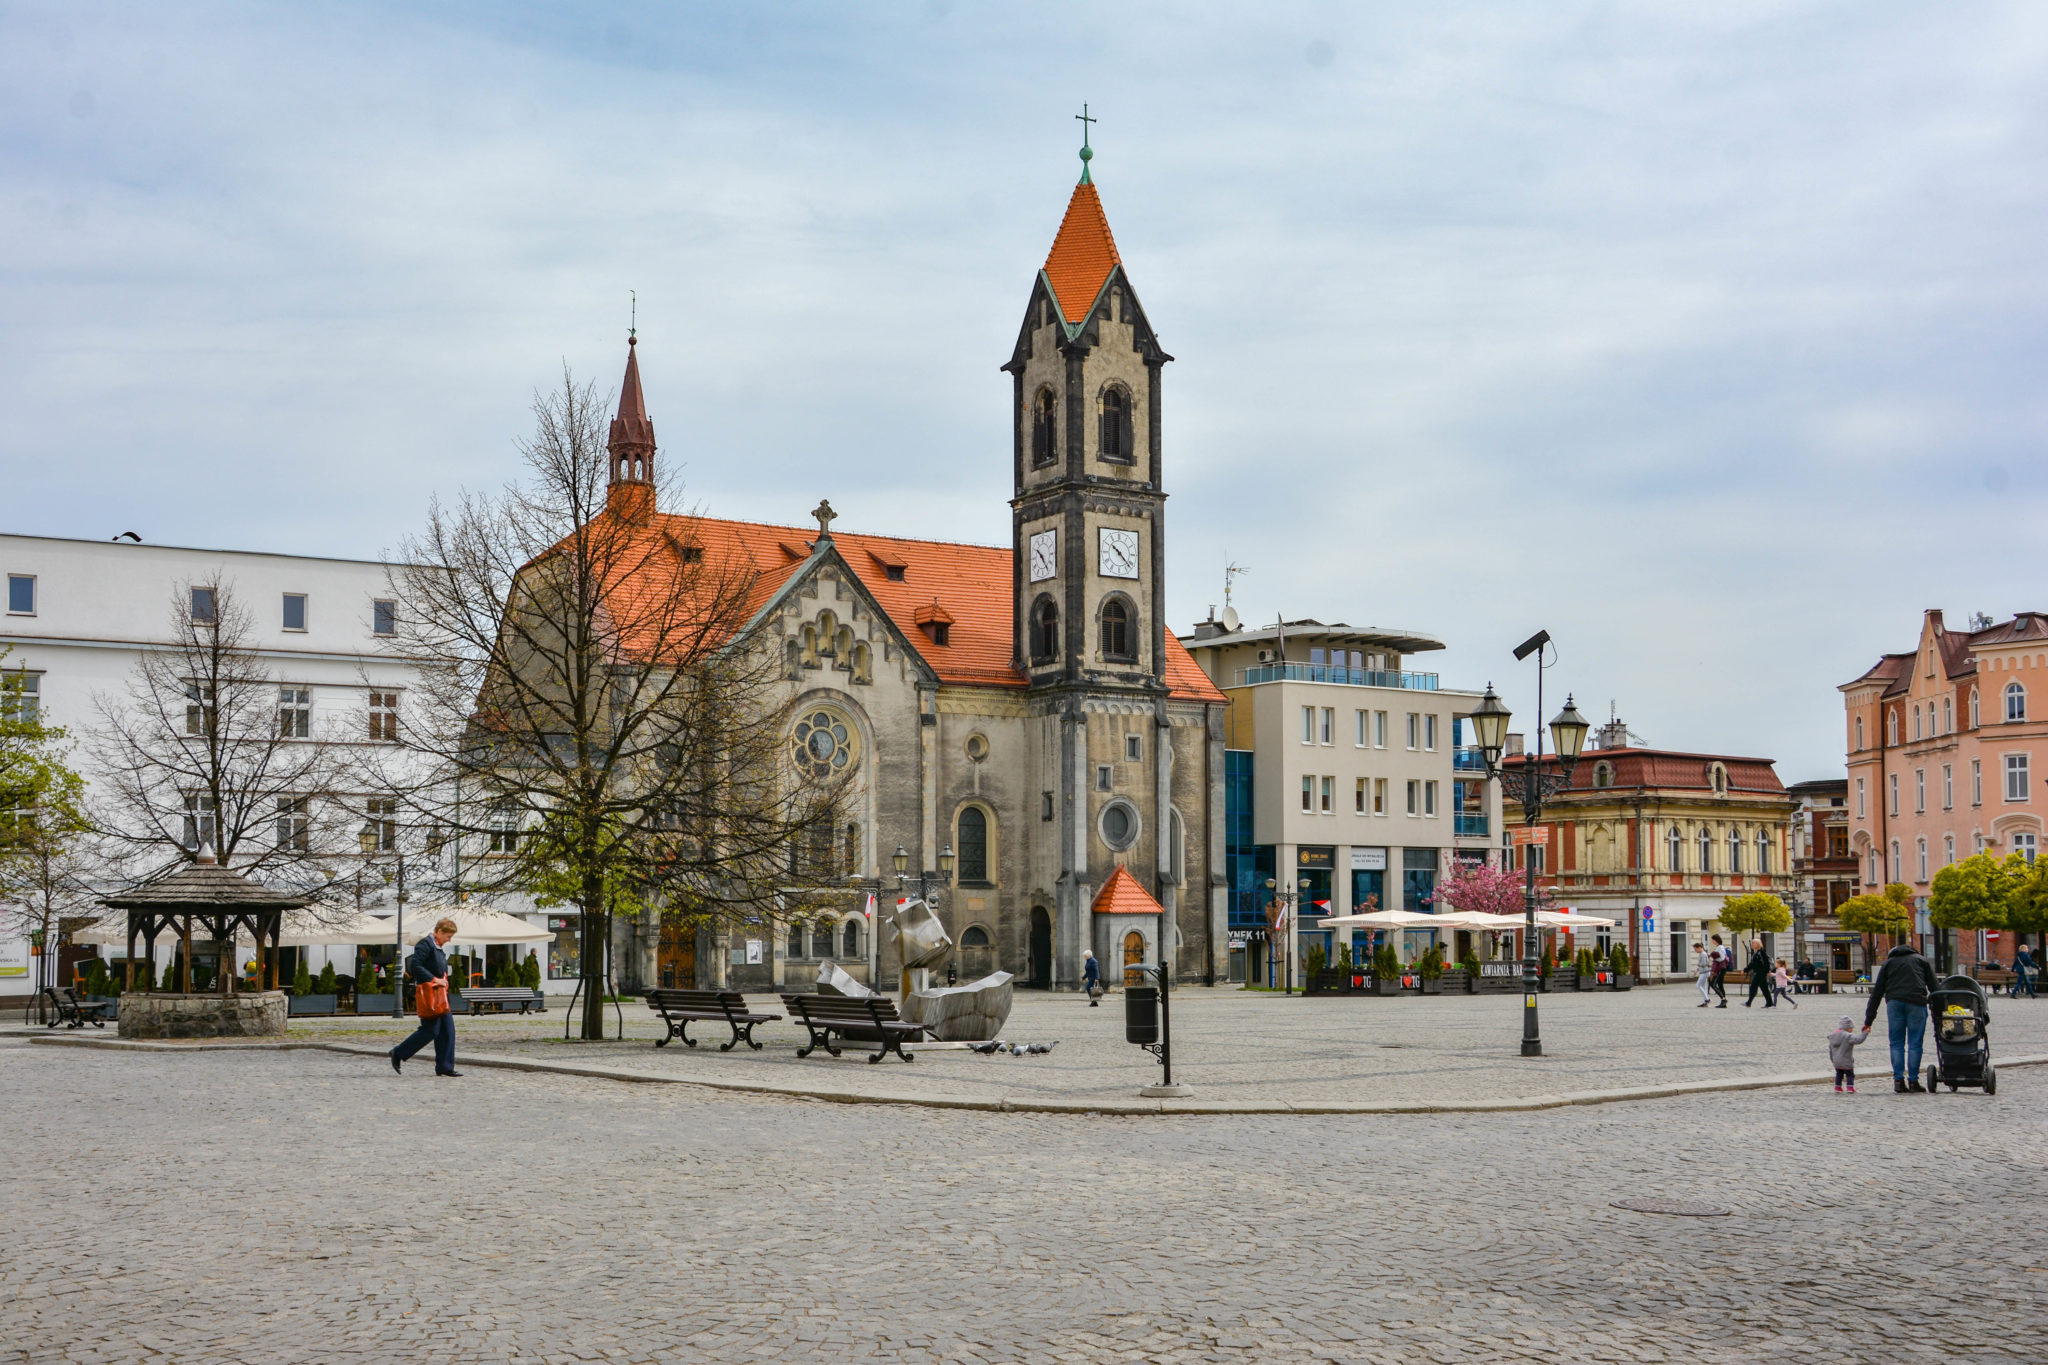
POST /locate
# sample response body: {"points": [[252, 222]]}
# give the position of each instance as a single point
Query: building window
{"points": [[1045, 632], [1973, 708], [384, 617], [1922, 867], [1414, 730], [1119, 825], [1379, 796], [1104, 778], [1308, 795], [1414, 798], [2015, 777], [1718, 779], [1763, 853], [203, 610], [1134, 748], [1675, 849], [1859, 799], [504, 823], [1898, 863], [973, 862], [1429, 798], [1948, 715], [1976, 781], [1429, 733], [1948, 849], [1706, 850], [1328, 733], [1859, 732], [2023, 843], [295, 611], [1360, 741], [1916, 720], [1116, 631], [380, 831], [202, 821], [1894, 806], [1919, 791], [1329, 796], [1891, 726], [1735, 852], [1603, 775], [294, 824], [383, 715], [1308, 725], [1115, 434], [849, 937], [1358, 797], [1379, 729], [1045, 440], [20, 696], [294, 712], [201, 712], [2015, 702], [21, 594], [1045, 806]]}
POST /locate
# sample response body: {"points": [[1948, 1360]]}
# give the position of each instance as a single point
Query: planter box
{"points": [[1593, 982], [375, 1004], [1429, 987], [1457, 981], [1562, 979], [1383, 985], [1621, 981], [314, 1004]]}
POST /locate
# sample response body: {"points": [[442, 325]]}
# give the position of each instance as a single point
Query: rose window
{"points": [[824, 744]]}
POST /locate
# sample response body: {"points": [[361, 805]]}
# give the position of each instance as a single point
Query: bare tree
{"points": [[590, 707], [44, 871], [206, 749]]}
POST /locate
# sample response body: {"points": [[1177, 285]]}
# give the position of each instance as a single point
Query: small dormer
{"points": [[936, 622], [893, 568]]}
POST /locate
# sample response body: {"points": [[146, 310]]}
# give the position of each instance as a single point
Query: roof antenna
{"points": [[1087, 152]]}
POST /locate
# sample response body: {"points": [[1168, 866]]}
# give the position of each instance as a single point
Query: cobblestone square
{"points": [[268, 1206]]}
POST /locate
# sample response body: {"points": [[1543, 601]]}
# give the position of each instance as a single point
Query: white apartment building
{"points": [[1346, 778]]}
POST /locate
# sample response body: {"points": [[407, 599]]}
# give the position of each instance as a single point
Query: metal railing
{"points": [[1468, 759], [1470, 826], [1325, 673]]}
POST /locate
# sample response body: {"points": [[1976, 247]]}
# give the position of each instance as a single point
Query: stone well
{"points": [[251, 1014]]}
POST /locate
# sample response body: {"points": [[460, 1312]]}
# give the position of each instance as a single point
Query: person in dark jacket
{"points": [[429, 963], [1091, 977], [1759, 975], [1721, 960], [2023, 972], [1904, 983]]}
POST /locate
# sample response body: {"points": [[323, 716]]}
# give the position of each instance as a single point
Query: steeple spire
{"points": [[1087, 152], [632, 443]]}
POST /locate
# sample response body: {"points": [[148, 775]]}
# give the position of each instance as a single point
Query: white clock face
{"points": [[1119, 553], [1044, 555]]}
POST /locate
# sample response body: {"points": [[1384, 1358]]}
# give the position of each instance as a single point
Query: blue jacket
{"points": [[427, 963], [1091, 972]]}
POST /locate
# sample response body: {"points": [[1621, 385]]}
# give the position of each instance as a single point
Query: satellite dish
{"points": [[1230, 618]]}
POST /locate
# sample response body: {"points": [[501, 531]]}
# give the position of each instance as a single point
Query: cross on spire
{"points": [[1087, 152], [826, 516]]}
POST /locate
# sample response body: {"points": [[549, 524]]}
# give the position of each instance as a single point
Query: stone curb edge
{"points": [[1526, 1104]]}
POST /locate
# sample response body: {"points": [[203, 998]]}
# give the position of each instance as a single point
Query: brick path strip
{"points": [[1027, 1106]]}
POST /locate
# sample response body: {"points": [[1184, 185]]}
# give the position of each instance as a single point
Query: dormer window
{"points": [[939, 631]]}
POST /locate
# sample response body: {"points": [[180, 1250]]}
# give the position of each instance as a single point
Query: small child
{"points": [[1781, 982], [1842, 1045]]}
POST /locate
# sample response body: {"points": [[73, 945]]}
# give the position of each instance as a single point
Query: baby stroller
{"points": [[1961, 1040]]}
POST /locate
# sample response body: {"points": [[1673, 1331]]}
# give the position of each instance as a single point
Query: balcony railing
{"points": [[1468, 759], [1470, 826], [1324, 673]]}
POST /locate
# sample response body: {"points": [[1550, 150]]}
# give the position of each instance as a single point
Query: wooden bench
{"points": [[871, 1019], [680, 1009], [1992, 978], [499, 997], [73, 1010]]}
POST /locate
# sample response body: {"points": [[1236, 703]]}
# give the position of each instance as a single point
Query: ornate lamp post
{"points": [[1284, 898], [1529, 785]]}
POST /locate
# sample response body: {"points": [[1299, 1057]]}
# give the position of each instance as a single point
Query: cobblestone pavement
{"points": [[267, 1206], [1234, 1045]]}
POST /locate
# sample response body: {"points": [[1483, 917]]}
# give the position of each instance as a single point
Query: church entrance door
{"points": [[1134, 958], [676, 957], [1040, 974]]}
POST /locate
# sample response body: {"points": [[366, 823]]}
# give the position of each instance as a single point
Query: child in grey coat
{"points": [[1842, 1045]]}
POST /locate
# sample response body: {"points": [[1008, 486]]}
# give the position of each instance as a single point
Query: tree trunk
{"points": [[595, 943]]}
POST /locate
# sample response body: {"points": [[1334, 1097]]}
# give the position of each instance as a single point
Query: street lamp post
{"points": [[900, 861], [1531, 784], [1284, 898]]}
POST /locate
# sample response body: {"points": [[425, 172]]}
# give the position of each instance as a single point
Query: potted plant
{"points": [[315, 997], [1353, 974], [1429, 970], [1386, 970], [1459, 979], [1313, 980], [1620, 971], [1547, 969]]}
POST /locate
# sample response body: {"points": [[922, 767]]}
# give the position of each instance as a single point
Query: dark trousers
{"points": [[441, 1030], [1764, 987], [1719, 982], [1844, 1075]]}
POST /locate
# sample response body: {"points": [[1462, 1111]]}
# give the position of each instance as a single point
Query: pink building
{"points": [[1944, 742]]}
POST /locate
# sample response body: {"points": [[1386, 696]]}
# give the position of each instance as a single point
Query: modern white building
{"points": [[81, 614]]}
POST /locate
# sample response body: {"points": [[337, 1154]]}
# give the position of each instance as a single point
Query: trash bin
{"points": [[1141, 1015]]}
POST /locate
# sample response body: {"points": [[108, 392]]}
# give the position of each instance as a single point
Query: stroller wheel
{"points": [[1933, 1078], [1991, 1080]]}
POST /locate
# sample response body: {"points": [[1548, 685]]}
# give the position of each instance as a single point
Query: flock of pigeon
{"points": [[1014, 1049]]}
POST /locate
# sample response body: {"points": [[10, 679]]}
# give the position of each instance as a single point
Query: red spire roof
{"points": [[1124, 894], [1082, 254], [631, 427]]}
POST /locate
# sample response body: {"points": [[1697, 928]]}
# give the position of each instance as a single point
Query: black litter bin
{"points": [[1141, 1015]]}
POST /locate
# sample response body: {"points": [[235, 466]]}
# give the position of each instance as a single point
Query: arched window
{"points": [[1763, 852], [1734, 851], [1898, 865], [853, 850], [2015, 701], [1115, 437], [1891, 725], [1116, 630], [1922, 868], [1916, 720], [1045, 426], [1948, 715], [849, 938], [1948, 849], [796, 941], [1045, 632], [1973, 708], [1706, 850], [1677, 850], [1859, 732], [1717, 778], [1603, 775], [973, 862], [821, 939], [974, 936]]}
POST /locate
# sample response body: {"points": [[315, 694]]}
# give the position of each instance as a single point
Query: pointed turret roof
{"points": [[1124, 894], [1082, 256], [632, 427]]}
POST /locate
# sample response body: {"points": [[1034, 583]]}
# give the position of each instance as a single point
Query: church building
{"points": [[1023, 709]]}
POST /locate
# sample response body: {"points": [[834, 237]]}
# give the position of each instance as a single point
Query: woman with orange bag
{"points": [[428, 970]]}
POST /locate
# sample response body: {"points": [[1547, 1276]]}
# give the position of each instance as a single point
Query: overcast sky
{"points": [[1709, 337]]}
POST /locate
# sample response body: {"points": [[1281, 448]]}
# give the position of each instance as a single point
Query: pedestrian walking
{"points": [[2023, 972], [1091, 977], [1842, 1045], [1782, 980], [428, 965], [1903, 983], [1724, 960], [1759, 976], [1703, 964]]}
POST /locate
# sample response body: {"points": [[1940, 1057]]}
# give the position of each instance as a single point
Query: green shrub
{"points": [[1386, 963], [1314, 961], [1344, 957], [1470, 962], [96, 982], [1431, 964], [532, 972], [1548, 961], [302, 980], [329, 984], [1617, 961]]}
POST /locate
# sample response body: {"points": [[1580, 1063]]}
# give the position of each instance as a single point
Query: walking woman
{"points": [[429, 964], [1705, 966]]}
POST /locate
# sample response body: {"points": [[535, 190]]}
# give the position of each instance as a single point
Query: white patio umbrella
{"points": [[1382, 919], [474, 924], [1555, 919]]}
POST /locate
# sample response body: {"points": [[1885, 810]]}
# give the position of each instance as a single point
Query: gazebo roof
{"points": [[203, 886]]}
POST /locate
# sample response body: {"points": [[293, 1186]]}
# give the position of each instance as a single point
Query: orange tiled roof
{"points": [[1082, 254], [1124, 894], [970, 584]]}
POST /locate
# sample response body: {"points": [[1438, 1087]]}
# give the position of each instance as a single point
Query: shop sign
{"points": [[1500, 969], [1530, 834], [753, 952], [1368, 860], [13, 959], [1322, 856]]}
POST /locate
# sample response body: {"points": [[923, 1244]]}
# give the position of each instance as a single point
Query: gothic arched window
{"points": [[973, 845], [1734, 851], [1706, 850], [1763, 852], [1115, 438], [1116, 630], [850, 936], [1677, 848], [1045, 632], [2015, 701], [1045, 440]]}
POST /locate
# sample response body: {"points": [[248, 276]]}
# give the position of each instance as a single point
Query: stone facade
{"points": [[251, 1014]]}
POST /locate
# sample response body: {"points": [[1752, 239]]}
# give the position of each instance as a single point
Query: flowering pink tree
{"points": [[1486, 890]]}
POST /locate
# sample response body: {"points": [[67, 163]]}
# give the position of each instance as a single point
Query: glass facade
{"points": [[1242, 859], [1418, 880]]}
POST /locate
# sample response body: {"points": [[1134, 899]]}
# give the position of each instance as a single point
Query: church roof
{"points": [[973, 585], [1083, 255], [1124, 894]]}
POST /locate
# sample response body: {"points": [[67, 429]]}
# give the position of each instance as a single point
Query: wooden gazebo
{"points": [[215, 899]]}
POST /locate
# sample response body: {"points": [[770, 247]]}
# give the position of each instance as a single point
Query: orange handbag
{"points": [[430, 999]]}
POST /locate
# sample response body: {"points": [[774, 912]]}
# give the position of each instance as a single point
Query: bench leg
{"points": [[668, 1037], [812, 1046], [683, 1032]]}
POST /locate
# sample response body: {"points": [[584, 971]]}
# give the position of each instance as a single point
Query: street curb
{"points": [[1193, 1107]]}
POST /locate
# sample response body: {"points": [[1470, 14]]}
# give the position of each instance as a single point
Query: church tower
{"points": [[1088, 528], [630, 492]]}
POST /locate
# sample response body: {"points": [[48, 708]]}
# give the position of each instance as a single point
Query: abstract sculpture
{"points": [[973, 1013], [833, 980], [920, 938]]}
